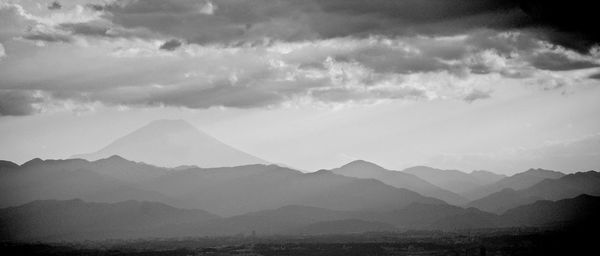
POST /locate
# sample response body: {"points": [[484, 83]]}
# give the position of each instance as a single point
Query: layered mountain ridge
{"points": [[76, 220], [211, 189]]}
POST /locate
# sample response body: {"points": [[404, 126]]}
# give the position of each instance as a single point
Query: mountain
{"points": [[7, 165], [291, 219], [418, 216], [453, 180], [226, 191], [486, 177], [236, 190], [76, 220], [54, 220], [173, 143], [105, 180], [283, 220], [501, 201], [518, 181], [572, 212], [122, 169], [367, 170], [568, 186], [581, 210]]}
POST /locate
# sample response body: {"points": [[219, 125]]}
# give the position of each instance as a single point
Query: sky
{"points": [[499, 85]]}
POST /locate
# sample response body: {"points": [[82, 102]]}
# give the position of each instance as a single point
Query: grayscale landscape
{"points": [[299, 127]]}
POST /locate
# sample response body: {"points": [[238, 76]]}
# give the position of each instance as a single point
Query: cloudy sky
{"points": [[501, 85]]}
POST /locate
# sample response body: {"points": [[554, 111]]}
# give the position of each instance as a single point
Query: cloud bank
{"points": [[249, 54]]}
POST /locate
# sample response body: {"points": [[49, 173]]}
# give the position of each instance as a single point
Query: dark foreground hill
{"points": [[567, 186], [54, 220], [581, 210], [77, 220]]}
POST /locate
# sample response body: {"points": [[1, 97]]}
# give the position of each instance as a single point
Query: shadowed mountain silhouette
{"points": [[368, 170], [518, 181], [226, 191], [7, 165], [106, 180], [41, 220], [235, 190], [53, 220], [268, 222], [122, 169], [568, 186], [501, 201], [581, 210], [75, 220], [321, 202], [174, 143], [291, 219], [453, 180]]}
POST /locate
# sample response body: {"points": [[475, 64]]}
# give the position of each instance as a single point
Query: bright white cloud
{"points": [[208, 8]]}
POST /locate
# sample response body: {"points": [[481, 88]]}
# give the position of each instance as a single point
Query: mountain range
{"points": [[268, 199], [76, 220], [517, 181], [229, 191], [367, 170], [454, 180], [549, 189], [66, 179], [225, 191], [211, 189]]}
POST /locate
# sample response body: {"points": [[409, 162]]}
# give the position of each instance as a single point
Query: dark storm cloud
{"points": [[54, 6], [17, 103], [341, 95], [50, 37], [228, 21], [595, 76], [171, 45], [339, 70], [234, 21], [103, 29], [87, 29], [559, 62], [573, 22], [95, 7]]}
